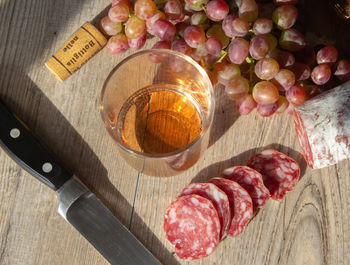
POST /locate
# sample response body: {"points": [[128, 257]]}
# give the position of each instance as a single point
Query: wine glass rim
{"points": [[211, 105]]}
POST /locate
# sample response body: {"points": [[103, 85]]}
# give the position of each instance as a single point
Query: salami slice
{"points": [[322, 125], [251, 180], [191, 223], [217, 197], [280, 173], [240, 203]]}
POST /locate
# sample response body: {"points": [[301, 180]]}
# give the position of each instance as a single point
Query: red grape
{"points": [[285, 16], [238, 50], [266, 68], [285, 2], [217, 10], [199, 53], [248, 9], [137, 43], [198, 18], [292, 40], [301, 71], [118, 44], [145, 9], [266, 110], [237, 87], [284, 80], [194, 36], [213, 45], [150, 22], [162, 45], [233, 26], [262, 26], [312, 91], [173, 9], [342, 70], [180, 19], [282, 104], [226, 71], [110, 28], [264, 92], [127, 2], [245, 104], [180, 45], [327, 54], [321, 74], [164, 30], [259, 47], [135, 27], [158, 58], [119, 13], [296, 95], [216, 31], [285, 59]]}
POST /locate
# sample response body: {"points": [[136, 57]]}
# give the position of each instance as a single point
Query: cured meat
{"points": [[217, 197], [280, 173], [251, 180], [240, 203], [191, 223], [322, 125]]}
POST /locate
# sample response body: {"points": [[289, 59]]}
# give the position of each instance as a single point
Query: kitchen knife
{"points": [[77, 204]]}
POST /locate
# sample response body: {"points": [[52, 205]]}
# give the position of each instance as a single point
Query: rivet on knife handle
{"points": [[18, 142]]}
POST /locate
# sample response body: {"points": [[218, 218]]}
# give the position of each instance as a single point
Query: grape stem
{"points": [[251, 62], [224, 53]]}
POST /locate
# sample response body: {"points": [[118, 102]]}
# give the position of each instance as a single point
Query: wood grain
{"points": [[310, 226]]}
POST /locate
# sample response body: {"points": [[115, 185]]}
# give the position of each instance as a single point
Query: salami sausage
{"points": [[251, 180], [217, 197], [280, 173], [322, 125], [240, 203], [191, 223]]}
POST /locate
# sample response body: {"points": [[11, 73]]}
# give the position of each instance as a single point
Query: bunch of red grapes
{"points": [[249, 48]]}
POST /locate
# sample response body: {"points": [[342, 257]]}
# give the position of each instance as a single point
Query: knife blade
{"points": [[79, 206]]}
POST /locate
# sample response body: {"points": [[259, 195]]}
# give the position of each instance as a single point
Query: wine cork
{"points": [[76, 51]]}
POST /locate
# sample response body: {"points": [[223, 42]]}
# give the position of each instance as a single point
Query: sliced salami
{"points": [[322, 125], [279, 189], [217, 197], [251, 180], [240, 203], [280, 172], [192, 224]]}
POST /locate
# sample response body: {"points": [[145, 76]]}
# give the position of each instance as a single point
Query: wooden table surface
{"points": [[310, 226]]}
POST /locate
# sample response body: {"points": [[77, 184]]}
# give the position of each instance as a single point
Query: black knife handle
{"points": [[22, 147]]}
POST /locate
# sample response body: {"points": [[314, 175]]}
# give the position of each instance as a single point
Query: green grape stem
{"points": [[224, 54], [251, 62]]}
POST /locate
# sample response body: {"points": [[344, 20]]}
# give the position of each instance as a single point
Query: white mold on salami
{"points": [[323, 127]]}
